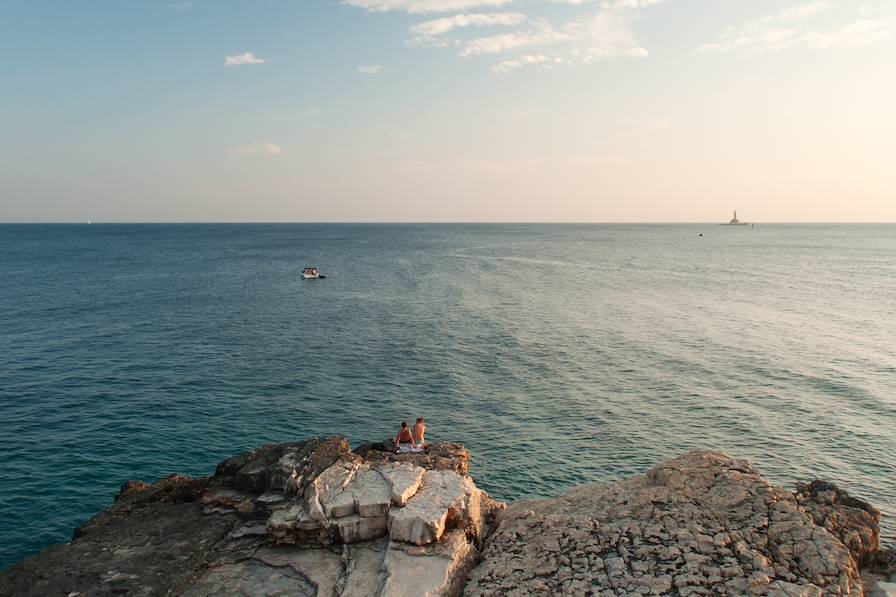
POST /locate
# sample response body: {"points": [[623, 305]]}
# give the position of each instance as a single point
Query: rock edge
{"points": [[318, 518]]}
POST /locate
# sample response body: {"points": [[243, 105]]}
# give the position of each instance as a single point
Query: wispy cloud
{"points": [[792, 29], [544, 35], [263, 148], [423, 6], [432, 31], [242, 59], [602, 30], [370, 70], [511, 64], [630, 4], [585, 41], [181, 6]]}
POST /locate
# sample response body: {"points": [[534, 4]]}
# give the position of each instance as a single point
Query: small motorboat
{"points": [[311, 273]]}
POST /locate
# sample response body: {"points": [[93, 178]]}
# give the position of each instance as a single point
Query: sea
{"points": [[558, 354]]}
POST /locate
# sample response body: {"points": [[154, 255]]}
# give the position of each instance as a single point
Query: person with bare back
{"points": [[419, 431], [404, 441]]}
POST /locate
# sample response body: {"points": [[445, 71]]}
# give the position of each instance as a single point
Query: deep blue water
{"points": [[558, 354]]}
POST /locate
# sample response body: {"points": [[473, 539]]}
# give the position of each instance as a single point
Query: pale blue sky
{"points": [[447, 110]]}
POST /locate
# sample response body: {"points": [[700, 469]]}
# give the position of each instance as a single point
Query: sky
{"points": [[447, 110]]}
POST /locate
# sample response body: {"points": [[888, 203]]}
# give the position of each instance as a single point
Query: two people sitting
{"points": [[408, 441]]}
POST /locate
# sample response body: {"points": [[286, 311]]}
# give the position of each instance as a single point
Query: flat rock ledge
{"points": [[318, 518]]}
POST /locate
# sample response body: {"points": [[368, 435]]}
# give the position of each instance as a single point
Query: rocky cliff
{"points": [[317, 518]]}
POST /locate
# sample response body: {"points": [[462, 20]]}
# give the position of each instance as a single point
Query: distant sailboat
{"points": [[734, 221]]}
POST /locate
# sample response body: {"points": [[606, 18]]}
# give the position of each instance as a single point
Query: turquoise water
{"points": [[558, 354]]}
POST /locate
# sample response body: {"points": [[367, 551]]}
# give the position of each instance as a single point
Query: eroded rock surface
{"points": [[855, 522], [445, 499], [437, 457], [304, 518], [316, 518], [702, 524], [355, 500], [879, 578]]}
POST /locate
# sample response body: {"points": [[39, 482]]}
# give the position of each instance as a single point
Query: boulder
{"points": [[137, 495], [445, 500], [404, 480], [303, 463], [352, 501], [271, 466], [855, 522], [329, 495]]}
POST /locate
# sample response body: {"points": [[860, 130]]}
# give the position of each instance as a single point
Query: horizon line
{"points": [[435, 223]]}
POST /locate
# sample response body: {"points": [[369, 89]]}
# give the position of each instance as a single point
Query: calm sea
{"points": [[559, 355]]}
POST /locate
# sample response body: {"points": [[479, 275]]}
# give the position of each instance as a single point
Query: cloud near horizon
{"points": [[374, 69], [791, 29], [243, 59]]}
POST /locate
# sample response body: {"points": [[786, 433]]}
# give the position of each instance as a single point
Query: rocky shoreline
{"points": [[318, 518]]}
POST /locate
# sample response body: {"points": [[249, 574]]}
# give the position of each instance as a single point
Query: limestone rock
{"points": [[404, 479], [249, 471], [855, 522], [700, 524], [313, 518], [364, 573], [269, 467], [282, 523], [322, 568], [436, 456], [436, 570], [174, 489], [308, 461], [159, 545], [354, 528], [249, 579], [328, 495], [350, 502], [445, 500], [372, 493], [137, 495], [221, 497], [879, 579]]}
